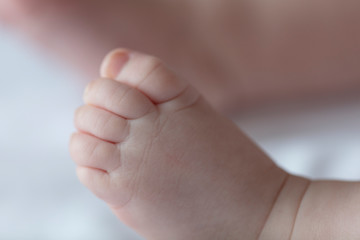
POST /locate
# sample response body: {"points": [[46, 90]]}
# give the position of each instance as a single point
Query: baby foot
{"points": [[165, 162]]}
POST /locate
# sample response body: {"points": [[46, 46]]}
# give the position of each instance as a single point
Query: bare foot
{"points": [[170, 167], [166, 163]]}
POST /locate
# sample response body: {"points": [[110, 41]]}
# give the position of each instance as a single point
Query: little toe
{"points": [[101, 123], [97, 181], [144, 72], [104, 186], [91, 152], [118, 98]]}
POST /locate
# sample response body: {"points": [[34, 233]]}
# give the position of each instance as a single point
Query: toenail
{"points": [[114, 63]]}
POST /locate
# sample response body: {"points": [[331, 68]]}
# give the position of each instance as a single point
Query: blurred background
{"points": [[41, 197]]}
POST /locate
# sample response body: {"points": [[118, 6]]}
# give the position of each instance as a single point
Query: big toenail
{"points": [[114, 63]]}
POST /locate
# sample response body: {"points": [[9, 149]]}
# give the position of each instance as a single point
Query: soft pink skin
{"points": [[170, 167], [238, 54], [166, 163]]}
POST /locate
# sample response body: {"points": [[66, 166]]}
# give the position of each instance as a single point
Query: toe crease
{"points": [[144, 79]]}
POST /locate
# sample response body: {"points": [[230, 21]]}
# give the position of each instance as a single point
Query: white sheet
{"points": [[41, 198]]}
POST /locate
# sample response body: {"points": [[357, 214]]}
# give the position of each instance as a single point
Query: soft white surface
{"points": [[41, 197], [319, 141]]}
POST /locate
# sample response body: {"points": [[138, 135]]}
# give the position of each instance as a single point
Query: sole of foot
{"points": [[167, 164]]}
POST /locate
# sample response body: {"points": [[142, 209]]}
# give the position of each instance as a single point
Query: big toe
{"points": [[146, 73]]}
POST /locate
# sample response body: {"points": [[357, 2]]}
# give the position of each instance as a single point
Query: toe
{"points": [[101, 123], [95, 180], [118, 98], [91, 152], [146, 73], [98, 182], [102, 185]]}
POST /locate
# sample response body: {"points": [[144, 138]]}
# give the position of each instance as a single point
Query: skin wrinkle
{"points": [[299, 207], [125, 129], [143, 157], [96, 169], [119, 146], [177, 96], [124, 204], [156, 66], [96, 93], [160, 125], [286, 178], [119, 160], [96, 137], [133, 180], [106, 110], [138, 172], [111, 100], [197, 100], [92, 151], [99, 123]]}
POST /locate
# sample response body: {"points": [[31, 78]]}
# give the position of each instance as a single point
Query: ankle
{"points": [[282, 217]]}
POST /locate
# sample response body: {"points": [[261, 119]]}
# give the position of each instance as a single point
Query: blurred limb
{"points": [[286, 50], [239, 54]]}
